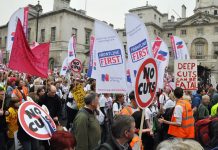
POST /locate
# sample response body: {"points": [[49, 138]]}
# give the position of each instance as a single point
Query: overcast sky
{"points": [[112, 11]]}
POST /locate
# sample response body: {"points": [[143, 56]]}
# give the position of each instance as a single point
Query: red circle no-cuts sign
{"points": [[146, 83], [35, 121], [76, 65]]}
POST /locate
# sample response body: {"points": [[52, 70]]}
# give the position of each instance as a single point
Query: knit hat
{"points": [[12, 79]]}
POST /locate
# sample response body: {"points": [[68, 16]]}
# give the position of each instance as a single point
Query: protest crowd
{"points": [[117, 105], [175, 119]]}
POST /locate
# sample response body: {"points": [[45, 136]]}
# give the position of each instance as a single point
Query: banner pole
{"points": [[141, 125]]}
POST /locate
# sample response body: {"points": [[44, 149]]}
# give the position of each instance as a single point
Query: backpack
{"points": [[104, 146], [213, 130], [167, 116], [202, 130]]}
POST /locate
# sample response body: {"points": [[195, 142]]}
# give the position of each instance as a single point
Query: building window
{"points": [[200, 30], [215, 47], [183, 32], [5, 41], [215, 12], [42, 35], [53, 33], [74, 32], [199, 48], [169, 34], [51, 63], [140, 15], [124, 47], [1, 42], [216, 29], [155, 32], [159, 20], [29, 34], [124, 33], [155, 16], [87, 35]]}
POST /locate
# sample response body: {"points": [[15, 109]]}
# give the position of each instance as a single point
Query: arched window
{"points": [[51, 63], [200, 48]]}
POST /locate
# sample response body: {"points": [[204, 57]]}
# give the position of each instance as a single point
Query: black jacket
{"points": [[3, 124], [114, 145], [52, 103]]}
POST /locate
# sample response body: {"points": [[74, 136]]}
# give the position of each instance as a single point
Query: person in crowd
{"points": [[182, 122], [40, 92], [52, 102], [62, 140], [86, 126], [65, 89], [118, 104], [132, 107], [211, 91], [196, 101], [146, 134], [179, 144], [170, 103], [214, 111], [20, 92], [3, 124], [59, 91], [123, 131], [215, 97], [164, 96], [93, 86], [27, 142], [11, 120], [187, 96], [72, 108], [37, 83], [202, 111], [151, 116], [88, 85], [105, 102], [11, 85], [3, 76], [33, 97]]}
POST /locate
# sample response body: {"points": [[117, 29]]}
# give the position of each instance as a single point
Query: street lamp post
{"points": [[38, 9]]}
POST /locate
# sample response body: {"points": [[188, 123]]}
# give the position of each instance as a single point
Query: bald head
{"points": [[52, 91]]}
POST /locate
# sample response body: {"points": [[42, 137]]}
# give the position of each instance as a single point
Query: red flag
{"points": [[23, 59]]}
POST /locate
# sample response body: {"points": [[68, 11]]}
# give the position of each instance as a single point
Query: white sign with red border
{"points": [[76, 65], [186, 74], [35, 121], [146, 83]]}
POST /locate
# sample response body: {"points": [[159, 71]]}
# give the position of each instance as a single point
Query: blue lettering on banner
{"points": [[139, 51], [108, 58]]}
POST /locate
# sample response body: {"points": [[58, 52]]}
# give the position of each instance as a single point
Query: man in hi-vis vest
{"points": [[182, 121]]}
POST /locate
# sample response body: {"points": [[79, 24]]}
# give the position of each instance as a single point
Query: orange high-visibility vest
{"points": [[186, 130], [136, 140], [127, 111], [18, 93]]}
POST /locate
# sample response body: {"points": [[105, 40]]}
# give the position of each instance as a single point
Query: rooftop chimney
{"points": [[172, 18], [183, 11], [61, 4]]}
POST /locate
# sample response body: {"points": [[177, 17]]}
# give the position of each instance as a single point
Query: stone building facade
{"points": [[199, 31], [57, 27]]}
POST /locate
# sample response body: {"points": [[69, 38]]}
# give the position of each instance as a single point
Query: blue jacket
{"points": [[196, 100]]}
